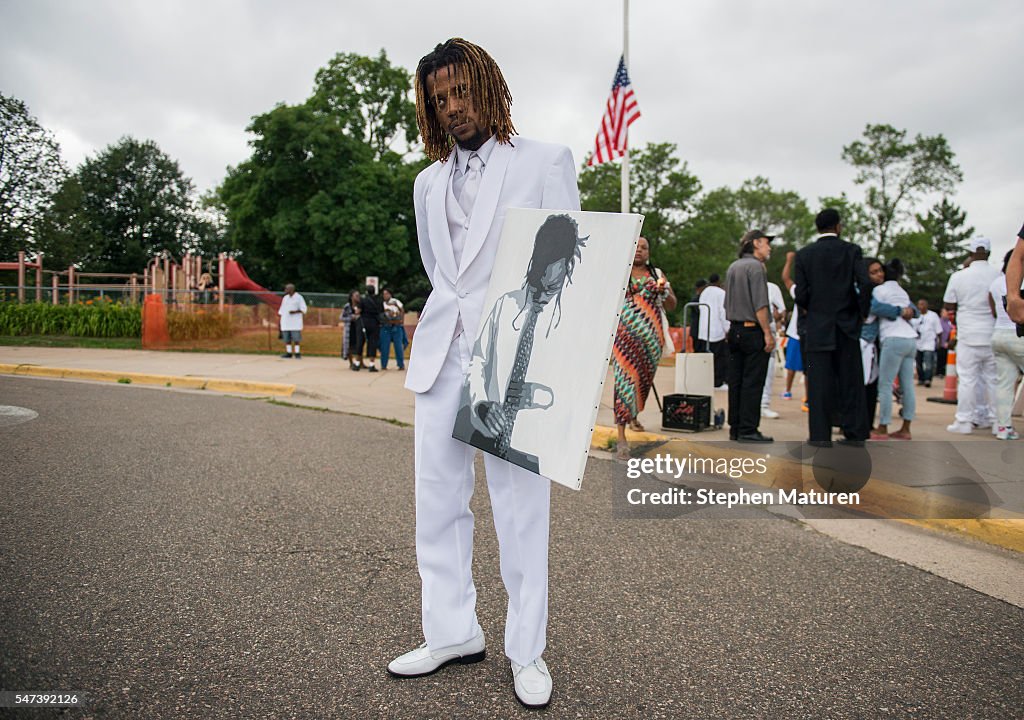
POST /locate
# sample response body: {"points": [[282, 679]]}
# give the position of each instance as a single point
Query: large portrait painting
{"points": [[541, 355]]}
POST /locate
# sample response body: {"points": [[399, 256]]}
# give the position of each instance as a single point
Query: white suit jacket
{"points": [[526, 174]]}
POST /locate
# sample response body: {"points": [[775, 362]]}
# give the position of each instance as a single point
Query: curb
{"points": [[604, 436], [1003, 529], [175, 381]]}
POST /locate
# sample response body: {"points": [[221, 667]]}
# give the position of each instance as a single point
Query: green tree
{"points": [[709, 240], [136, 203], [61, 230], [946, 225], [31, 171], [119, 209], [661, 188], [933, 251], [369, 97], [324, 200], [778, 212], [897, 174]]}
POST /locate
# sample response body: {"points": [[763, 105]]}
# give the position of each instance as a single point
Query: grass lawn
{"points": [[323, 341], [70, 341]]}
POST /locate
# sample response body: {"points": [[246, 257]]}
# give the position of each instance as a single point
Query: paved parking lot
{"points": [[186, 555]]}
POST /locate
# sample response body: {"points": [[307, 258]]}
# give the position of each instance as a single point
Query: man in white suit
{"points": [[462, 108]]}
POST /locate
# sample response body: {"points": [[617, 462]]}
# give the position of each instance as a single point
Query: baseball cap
{"points": [[980, 243], [751, 235]]}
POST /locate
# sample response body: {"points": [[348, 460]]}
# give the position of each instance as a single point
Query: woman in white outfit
{"points": [[899, 349]]}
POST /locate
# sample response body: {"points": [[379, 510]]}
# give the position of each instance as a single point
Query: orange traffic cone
{"points": [[949, 391]]}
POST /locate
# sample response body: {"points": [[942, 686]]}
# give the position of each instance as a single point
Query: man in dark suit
{"points": [[832, 286]]}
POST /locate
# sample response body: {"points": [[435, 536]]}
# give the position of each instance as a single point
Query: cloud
{"points": [[743, 88]]}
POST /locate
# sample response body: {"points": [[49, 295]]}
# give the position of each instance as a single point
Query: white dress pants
{"points": [[520, 501], [1009, 353], [766, 393], [976, 384]]}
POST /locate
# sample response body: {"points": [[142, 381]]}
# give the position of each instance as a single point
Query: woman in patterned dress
{"points": [[638, 341]]}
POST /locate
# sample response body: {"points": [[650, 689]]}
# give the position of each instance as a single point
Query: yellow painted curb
{"points": [[879, 498], [1007, 534], [176, 381], [604, 437]]}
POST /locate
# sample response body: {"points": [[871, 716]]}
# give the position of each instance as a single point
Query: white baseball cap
{"points": [[980, 242]]}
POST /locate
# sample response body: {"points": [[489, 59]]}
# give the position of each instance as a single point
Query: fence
{"points": [[196, 321]]}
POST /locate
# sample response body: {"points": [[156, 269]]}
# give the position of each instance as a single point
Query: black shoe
{"points": [[286, 355], [850, 443], [357, 368], [928, 383], [373, 368], [298, 356], [820, 443], [754, 437]]}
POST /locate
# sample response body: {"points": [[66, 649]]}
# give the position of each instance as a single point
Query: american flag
{"points": [[619, 114]]}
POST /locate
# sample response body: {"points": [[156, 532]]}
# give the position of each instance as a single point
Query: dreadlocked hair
{"points": [[557, 239], [490, 95]]}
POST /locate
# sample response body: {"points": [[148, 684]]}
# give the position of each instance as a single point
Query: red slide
{"points": [[235, 278]]}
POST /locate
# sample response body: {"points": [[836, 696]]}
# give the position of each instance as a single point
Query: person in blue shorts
{"points": [[794, 358]]}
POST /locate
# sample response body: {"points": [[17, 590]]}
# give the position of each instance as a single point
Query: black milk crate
{"points": [[686, 412]]}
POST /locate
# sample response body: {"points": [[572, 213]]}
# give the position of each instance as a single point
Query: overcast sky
{"points": [[744, 88]]}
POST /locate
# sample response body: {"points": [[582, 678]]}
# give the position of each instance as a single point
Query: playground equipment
{"points": [[73, 281], [22, 266], [178, 284]]}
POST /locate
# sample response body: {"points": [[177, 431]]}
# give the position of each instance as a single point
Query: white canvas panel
{"points": [[570, 303]]}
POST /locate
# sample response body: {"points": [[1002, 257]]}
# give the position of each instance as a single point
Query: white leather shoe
{"points": [[769, 413], [532, 683], [422, 661], [963, 428]]}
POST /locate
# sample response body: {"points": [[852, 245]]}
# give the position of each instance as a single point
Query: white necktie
{"points": [[471, 186]]}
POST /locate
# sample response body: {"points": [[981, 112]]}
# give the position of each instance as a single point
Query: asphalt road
{"points": [[187, 555]]}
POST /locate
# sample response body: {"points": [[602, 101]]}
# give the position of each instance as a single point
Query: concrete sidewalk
{"points": [[328, 383]]}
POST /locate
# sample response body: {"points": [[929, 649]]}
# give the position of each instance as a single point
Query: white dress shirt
{"points": [[775, 303], [968, 288], [714, 328], [458, 217], [928, 329]]}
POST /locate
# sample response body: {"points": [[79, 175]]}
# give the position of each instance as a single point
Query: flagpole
{"points": [[625, 59]]}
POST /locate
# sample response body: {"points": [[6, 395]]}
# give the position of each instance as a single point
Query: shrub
{"points": [[103, 320], [201, 325]]}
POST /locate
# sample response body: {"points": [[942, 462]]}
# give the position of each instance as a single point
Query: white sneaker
{"points": [[532, 683], [769, 413], [1007, 433], [422, 661], [963, 428]]}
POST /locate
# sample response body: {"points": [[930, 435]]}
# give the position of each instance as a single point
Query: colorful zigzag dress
{"points": [[638, 343]]}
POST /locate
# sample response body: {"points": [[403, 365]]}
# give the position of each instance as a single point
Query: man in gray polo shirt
{"points": [[751, 341]]}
